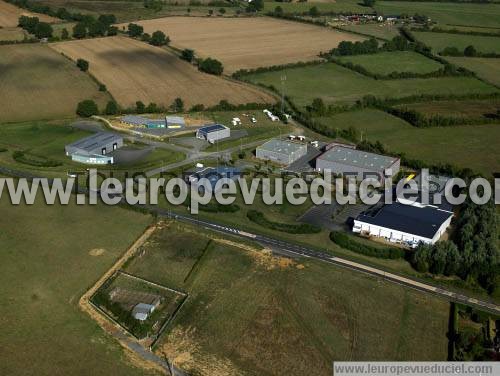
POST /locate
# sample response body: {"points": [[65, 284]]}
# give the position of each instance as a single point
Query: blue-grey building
{"points": [[95, 149], [213, 174], [213, 132]]}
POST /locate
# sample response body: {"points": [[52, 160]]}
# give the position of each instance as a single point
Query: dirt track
{"points": [[135, 71], [9, 15], [248, 42]]}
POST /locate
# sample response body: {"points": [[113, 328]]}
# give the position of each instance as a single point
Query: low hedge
{"points": [[20, 157], [301, 228], [345, 241]]}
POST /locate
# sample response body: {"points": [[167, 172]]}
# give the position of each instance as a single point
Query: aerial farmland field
{"points": [[11, 34], [439, 41], [336, 84], [37, 83], [9, 15], [450, 13], [135, 71], [485, 68], [338, 6], [249, 42]]}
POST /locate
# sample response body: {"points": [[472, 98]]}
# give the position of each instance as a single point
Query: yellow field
{"points": [[37, 83], [9, 15], [11, 34], [135, 71], [248, 42]]}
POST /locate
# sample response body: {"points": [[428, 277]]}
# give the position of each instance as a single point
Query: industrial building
{"points": [[213, 174], [143, 122], [213, 132], [174, 122], [281, 151], [345, 160], [436, 193], [95, 149], [404, 224]]}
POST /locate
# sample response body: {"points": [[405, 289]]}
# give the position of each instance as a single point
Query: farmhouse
{"points": [[174, 122], [281, 151], [345, 160], [405, 224], [95, 149], [213, 132]]}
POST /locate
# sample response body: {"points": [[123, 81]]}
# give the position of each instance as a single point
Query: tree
{"points": [[87, 108], [112, 30], [222, 11], [368, 3], [470, 51], [314, 12], [64, 34], [255, 6], [159, 39], [210, 12], [146, 37], [318, 107], [28, 23], [187, 54], [211, 66], [177, 105], [111, 108], [97, 29], [107, 19], [278, 11], [135, 30], [82, 64], [79, 30], [43, 30], [140, 107]]}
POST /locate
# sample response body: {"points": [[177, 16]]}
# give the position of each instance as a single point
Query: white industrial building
{"points": [[281, 151]]}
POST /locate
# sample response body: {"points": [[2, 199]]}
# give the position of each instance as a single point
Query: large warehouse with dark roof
{"points": [[406, 224], [94, 149]]}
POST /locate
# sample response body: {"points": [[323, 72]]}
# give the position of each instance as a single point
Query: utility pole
{"points": [[283, 79]]}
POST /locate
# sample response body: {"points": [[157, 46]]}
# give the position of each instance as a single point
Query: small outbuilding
{"points": [[213, 132], [142, 311], [175, 122]]}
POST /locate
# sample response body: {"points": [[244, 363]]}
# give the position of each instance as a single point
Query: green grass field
{"points": [[38, 84], [46, 267], [475, 147], [46, 140], [339, 6], [439, 41], [249, 312], [466, 108], [452, 13], [336, 84], [399, 61], [487, 69], [376, 30]]}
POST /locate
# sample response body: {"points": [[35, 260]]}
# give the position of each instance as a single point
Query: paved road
{"points": [[298, 250]]}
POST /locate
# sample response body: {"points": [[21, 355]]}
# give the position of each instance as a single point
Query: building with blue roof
{"points": [[212, 174], [213, 132]]}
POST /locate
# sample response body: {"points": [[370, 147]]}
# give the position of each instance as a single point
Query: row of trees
{"points": [[89, 26], [158, 38], [473, 255], [370, 46], [469, 51], [33, 26]]}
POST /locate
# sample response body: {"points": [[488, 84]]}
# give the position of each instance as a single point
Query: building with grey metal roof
{"points": [[175, 122], [342, 160], [281, 151], [94, 149]]}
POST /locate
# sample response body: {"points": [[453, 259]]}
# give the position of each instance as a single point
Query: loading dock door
{"points": [[103, 151]]}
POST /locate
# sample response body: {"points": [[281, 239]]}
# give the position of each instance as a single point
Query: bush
{"points": [[82, 64], [79, 31], [43, 30], [159, 39], [211, 66], [87, 108], [111, 108], [301, 228], [135, 30], [345, 241], [187, 55], [102, 87]]}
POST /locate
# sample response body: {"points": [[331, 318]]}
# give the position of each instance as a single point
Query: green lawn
{"points": [[335, 84], [339, 6], [46, 267], [385, 63], [439, 41], [475, 147], [452, 13], [376, 30], [250, 313], [463, 109], [47, 140], [487, 69]]}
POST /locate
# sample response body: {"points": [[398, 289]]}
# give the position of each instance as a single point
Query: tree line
{"points": [[469, 51]]}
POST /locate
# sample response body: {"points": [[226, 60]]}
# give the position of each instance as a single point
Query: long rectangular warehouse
{"points": [[342, 160], [280, 151]]}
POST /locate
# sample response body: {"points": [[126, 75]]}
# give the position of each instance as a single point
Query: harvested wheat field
{"points": [[248, 42], [37, 83], [135, 71], [9, 15]]}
